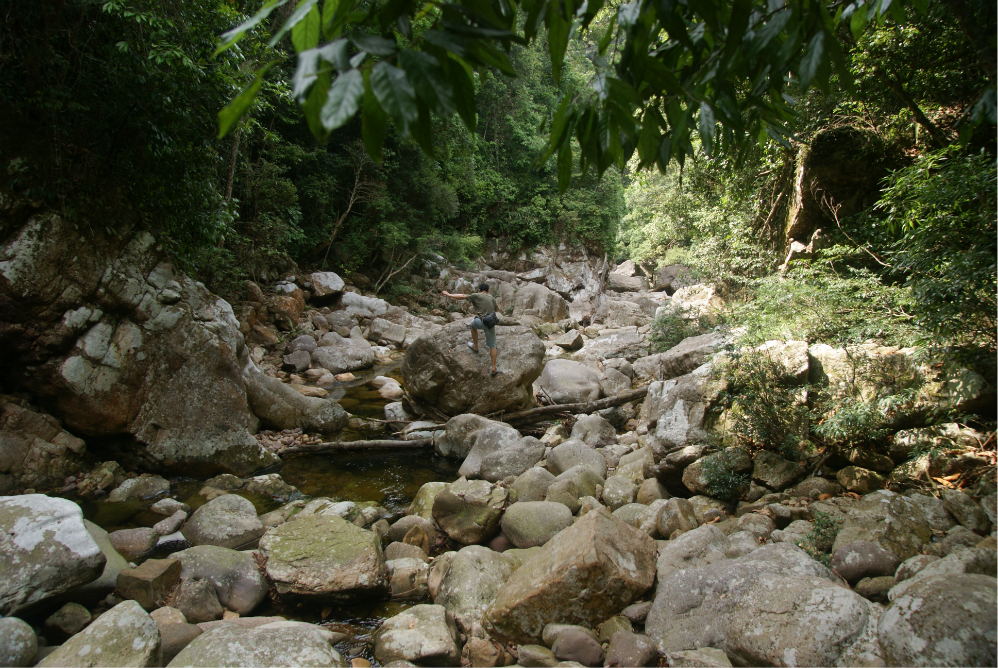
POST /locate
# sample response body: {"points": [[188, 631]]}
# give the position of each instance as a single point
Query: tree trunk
{"points": [[232, 166], [537, 414], [938, 137], [344, 446]]}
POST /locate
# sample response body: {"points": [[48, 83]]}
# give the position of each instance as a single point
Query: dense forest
{"points": [[111, 116]]}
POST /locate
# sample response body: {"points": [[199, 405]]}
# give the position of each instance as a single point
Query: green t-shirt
{"points": [[483, 302]]}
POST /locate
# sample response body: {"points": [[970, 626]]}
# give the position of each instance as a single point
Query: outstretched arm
{"points": [[447, 294]]}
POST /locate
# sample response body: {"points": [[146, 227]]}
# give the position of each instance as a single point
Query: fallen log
{"points": [[537, 414], [346, 446]]}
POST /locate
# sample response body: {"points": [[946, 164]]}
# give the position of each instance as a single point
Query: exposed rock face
{"points": [[942, 620], [583, 575], [568, 382], [121, 344], [273, 644], [35, 451], [45, 549], [440, 370], [469, 581], [469, 510], [339, 354], [775, 606], [424, 633], [238, 583], [125, 635], [677, 361], [324, 556], [537, 300]]}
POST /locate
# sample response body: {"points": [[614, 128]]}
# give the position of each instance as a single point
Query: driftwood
{"points": [[345, 446], [537, 414]]}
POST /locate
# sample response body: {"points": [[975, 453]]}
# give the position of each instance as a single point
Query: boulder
{"points": [[942, 620], [125, 634], [398, 531], [574, 452], [469, 510], [423, 633], [171, 524], [122, 344], [169, 507], [150, 583], [615, 313], [226, 521], [18, 643], [570, 340], [134, 544], [238, 583], [468, 583], [488, 440], [324, 557], [422, 503], [966, 511], [863, 559], [859, 480], [385, 330], [280, 643], [678, 407], [407, 578], [37, 452], [584, 478], [631, 649], [339, 354], [774, 471], [621, 283], [45, 550], [279, 406], [533, 523], [67, 621], [197, 600], [538, 301], [679, 360], [405, 551], [583, 575], [175, 637], [703, 657], [576, 645], [361, 306], [567, 382], [511, 460], [458, 437], [975, 561], [614, 383], [696, 548], [623, 342], [440, 370], [670, 278], [594, 431], [326, 285], [618, 491], [775, 606], [533, 484], [677, 516]]}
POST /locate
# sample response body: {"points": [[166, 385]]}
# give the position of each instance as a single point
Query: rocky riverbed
{"points": [[149, 520]]}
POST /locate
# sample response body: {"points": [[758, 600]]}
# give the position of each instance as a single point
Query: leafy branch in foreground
{"points": [[718, 68]]}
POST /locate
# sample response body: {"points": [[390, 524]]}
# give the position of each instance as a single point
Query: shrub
{"points": [[676, 324], [723, 482], [818, 542]]}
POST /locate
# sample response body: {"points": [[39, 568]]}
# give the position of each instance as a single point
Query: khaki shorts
{"points": [[490, 332]]}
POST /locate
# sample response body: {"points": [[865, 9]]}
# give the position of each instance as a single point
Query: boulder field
{"points": [[605, 539]]}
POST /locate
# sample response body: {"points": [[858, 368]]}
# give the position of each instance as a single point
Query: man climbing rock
{"points": [[485, 306]]}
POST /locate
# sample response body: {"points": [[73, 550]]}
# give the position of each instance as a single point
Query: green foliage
{"points": [[945, 207], [767, 410], [818, 542], [676, 324], [721, 478]]}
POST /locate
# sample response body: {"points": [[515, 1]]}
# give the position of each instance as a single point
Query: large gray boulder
{"points": [[238, 583], [512, 460], [324, 557], [594, 430], [423, 633], [440, 370], [122, 344], [568, 382], [95, 590], [533, 484], [679, 360], [942, 620], [273, 644], [538, 301], [678, 407], [469, 510], [574, 452], [624, 342], [45, 550], [775, 606], [585, 574], [326, 285], [459, 435], [339, 354], [18, 643], [280, 406], [226, 521], [469, 581], [533, 523], [125, 635], [365, 307], [490, 439]]}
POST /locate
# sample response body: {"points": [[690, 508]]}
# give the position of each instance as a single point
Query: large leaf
{"points": [[373, 44], [301, 12], [231, 37], [764, 35], [395, 94], [558, 33], [463, 79], [429, 81], [343, 100], [564, 166], [374, 120], [310, 63], [305, 35], [227, 117], [707, 127], [812, 59]]}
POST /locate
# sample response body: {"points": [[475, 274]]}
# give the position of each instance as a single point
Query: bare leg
{"points": [[494, 352], [474, 338]]}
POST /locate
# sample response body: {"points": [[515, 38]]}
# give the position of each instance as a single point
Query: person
{"points": [[484, 304]]}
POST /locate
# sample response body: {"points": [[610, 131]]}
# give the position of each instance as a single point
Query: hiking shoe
{"points": [[472, 346]]}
